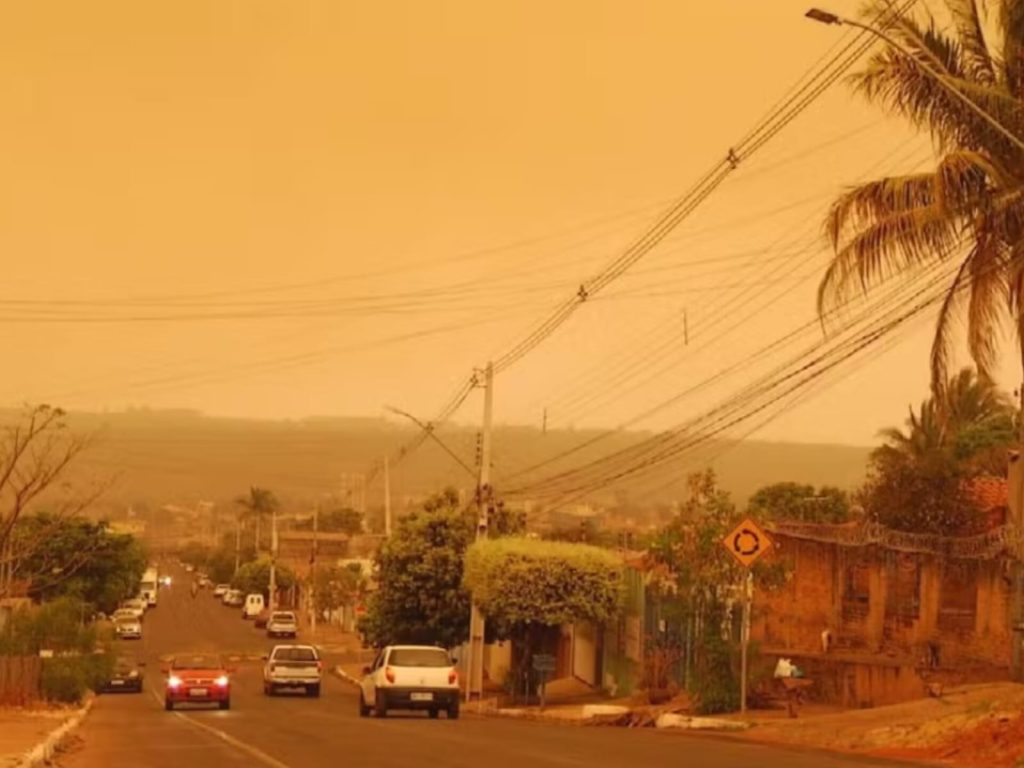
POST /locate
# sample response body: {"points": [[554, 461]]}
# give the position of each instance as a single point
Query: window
{"points": [[419, 657], [856, 592], [958, 596], [295, 653], [903, 590]]}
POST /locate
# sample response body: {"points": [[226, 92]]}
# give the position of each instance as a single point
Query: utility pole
{"points": [[273, 559], [312, 570], [1017, 568], [387, 498], [238, 542], [475, 685]]}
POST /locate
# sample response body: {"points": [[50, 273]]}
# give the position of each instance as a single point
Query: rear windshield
{"points": [[283, 617], [419, 657], [197, 662], [297, 653]]}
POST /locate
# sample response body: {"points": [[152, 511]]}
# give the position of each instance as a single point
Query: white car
{"points": [[220, 589], [282, 624], [410, 677], [293, 666], [233, 597], [136, 605], [128, 629]]}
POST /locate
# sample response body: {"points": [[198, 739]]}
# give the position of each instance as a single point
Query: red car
{"points": [[199, 679]]}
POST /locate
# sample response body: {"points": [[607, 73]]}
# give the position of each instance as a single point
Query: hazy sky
{"points": [[279, 209]]}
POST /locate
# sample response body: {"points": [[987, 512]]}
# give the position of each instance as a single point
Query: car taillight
{"points": [[319, 666], [173, 682], [222, 681], [389, 674], [453, 677]]}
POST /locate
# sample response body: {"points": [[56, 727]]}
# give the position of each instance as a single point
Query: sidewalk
{"points": [[29, 737]]}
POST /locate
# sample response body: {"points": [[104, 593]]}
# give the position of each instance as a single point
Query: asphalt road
{"points": [[296, 732]]}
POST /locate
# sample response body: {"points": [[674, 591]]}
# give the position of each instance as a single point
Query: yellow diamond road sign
{"points": [[747, 542]]}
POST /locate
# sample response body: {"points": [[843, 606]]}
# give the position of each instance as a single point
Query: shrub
{"points": [[66, 679]]}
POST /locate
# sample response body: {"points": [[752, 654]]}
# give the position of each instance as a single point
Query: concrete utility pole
{"points": [[238, 542], [387, 498], [273, 559], [312, 569], [475, 686], [1017, 568]]}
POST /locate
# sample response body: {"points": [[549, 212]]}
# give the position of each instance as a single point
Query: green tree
{"points": [[257, 506], [969, 210], [419, 596], [337, 586], [918, 477], [343, 520], [75, 557], [254, 577], [799, 502]]}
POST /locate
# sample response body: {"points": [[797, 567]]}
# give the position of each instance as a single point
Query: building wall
{"points": [[877, 601]]}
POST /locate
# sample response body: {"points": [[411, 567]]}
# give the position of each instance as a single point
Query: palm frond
{"points": [[1011, 22], [977, 59], [986, 307], [942, 342]]}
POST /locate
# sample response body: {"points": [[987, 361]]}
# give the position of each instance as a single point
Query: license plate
{"points": [[421, 697], [117, 682], [198, 691]]}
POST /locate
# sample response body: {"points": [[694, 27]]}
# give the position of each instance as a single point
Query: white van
{"points": [[254, 605]]}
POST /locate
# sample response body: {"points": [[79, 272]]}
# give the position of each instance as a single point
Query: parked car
{"points": [[261, 619], [204, 581], [282, 624], [253, 605], [293, 666], [123, 614], [197, 679], [234, 598], [127, 676], [220, 589], [413, 677], [136, 605], [128, 628]]}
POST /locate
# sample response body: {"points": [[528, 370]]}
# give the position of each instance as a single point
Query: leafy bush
{"points": [[255, 577], [716, 682], [519, 580], [58, 626], [66, 679]]}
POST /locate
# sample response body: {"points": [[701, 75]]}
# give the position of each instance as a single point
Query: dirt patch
{"points": [[997, 742]]}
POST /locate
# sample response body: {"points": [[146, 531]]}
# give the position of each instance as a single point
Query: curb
{"points": [[45, 749]]}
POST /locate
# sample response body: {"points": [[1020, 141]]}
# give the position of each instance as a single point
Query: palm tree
{"points": [[258, 504], [969, 417], [968, 212]]}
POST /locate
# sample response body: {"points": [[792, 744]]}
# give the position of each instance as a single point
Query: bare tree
{"points": [[35, 453]]}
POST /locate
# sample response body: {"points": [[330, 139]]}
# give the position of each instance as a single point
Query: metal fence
{"points": [[19, 679]]}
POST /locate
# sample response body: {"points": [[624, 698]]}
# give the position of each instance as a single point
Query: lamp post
{"points": [[825, 17]]}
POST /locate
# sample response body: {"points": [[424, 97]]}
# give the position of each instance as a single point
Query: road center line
{"points": [[257, 754]]}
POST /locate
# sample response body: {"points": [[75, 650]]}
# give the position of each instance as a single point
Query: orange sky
{"points": [[434, 176]]}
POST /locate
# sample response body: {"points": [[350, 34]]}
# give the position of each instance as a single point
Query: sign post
{"points": [[544, 665], [746, 543]]}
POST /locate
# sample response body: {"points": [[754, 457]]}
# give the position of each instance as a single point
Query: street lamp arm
{"points": [[825, 17]]}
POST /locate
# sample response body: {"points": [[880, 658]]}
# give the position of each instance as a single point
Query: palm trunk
{"points": [[258, 542]]}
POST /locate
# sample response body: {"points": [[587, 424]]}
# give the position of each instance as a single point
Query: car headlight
{"points": [[133, 673], [222, 681], [173, 681]]}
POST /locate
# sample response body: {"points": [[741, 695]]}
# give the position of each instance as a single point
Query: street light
{"points": [[825, 17]]}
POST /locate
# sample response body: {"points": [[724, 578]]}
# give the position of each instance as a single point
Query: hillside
{"points": [[180, 457]]}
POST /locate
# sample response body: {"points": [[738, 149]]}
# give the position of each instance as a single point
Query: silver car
{"points": [[282, 624], [128, 629]]}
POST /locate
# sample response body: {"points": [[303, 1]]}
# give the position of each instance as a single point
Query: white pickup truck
{"points": [[293, 666]]}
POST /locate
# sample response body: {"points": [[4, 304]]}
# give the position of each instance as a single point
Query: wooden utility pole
{"points": [[387, 498], [475, 686]]}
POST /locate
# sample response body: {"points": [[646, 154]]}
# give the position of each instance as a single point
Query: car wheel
{"points": [[168, 705], [380, 705], [313, 691], [434, 712], [364, 710], [453, 711], [226, 704]]}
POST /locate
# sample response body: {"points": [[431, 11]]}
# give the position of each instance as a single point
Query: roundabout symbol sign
{"points": [[747, 542]]}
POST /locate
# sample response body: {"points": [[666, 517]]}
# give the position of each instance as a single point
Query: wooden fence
{"points": [[19, 679]]}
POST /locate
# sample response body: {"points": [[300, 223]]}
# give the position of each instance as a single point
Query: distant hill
{"points": [[183, 457]]}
